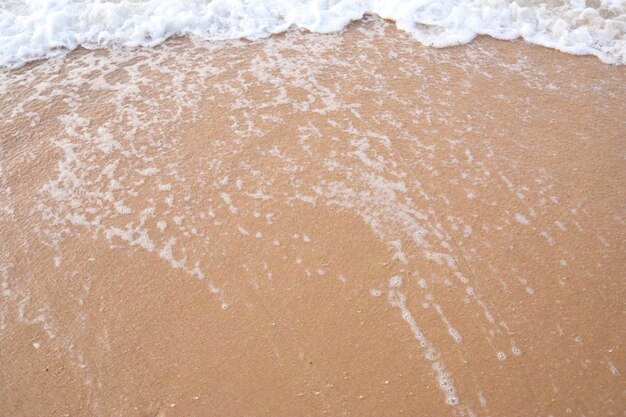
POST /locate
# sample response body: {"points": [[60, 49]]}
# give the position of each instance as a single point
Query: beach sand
{"points": [[341, 224]]}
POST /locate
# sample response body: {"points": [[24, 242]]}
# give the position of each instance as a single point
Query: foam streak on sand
{"points": [[35, 29]]}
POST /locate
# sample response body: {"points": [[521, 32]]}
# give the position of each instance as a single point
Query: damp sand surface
{"points": [[343, 224]]}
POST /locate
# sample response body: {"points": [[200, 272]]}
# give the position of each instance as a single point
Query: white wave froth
{"points": [[35, 29]]}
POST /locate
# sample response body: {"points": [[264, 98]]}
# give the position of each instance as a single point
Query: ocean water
{"points": [[36, 29]]}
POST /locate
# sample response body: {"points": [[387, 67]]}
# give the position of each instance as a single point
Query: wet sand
{"points": [[344, 224]]}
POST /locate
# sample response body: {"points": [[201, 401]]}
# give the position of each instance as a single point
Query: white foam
{"points": [[446, 384], [375, 292], [516, 351], [395, 281], [35, 29], [520, 218], [482, 399]]}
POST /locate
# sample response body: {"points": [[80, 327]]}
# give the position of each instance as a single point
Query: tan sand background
{"points": [[344, 224]]}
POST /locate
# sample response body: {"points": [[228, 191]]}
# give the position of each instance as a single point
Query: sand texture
{"points": [[345, 224]]}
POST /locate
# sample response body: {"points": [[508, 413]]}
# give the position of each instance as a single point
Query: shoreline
{"points": [[296, 226]]}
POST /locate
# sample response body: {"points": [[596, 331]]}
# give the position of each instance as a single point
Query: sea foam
{"points": [[35, 29]]}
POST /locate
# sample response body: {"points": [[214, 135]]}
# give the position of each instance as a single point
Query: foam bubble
{"points": [[454, 333], [376, 293], [395, 281], [446, 384], [520, 218], [482, 399]]}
